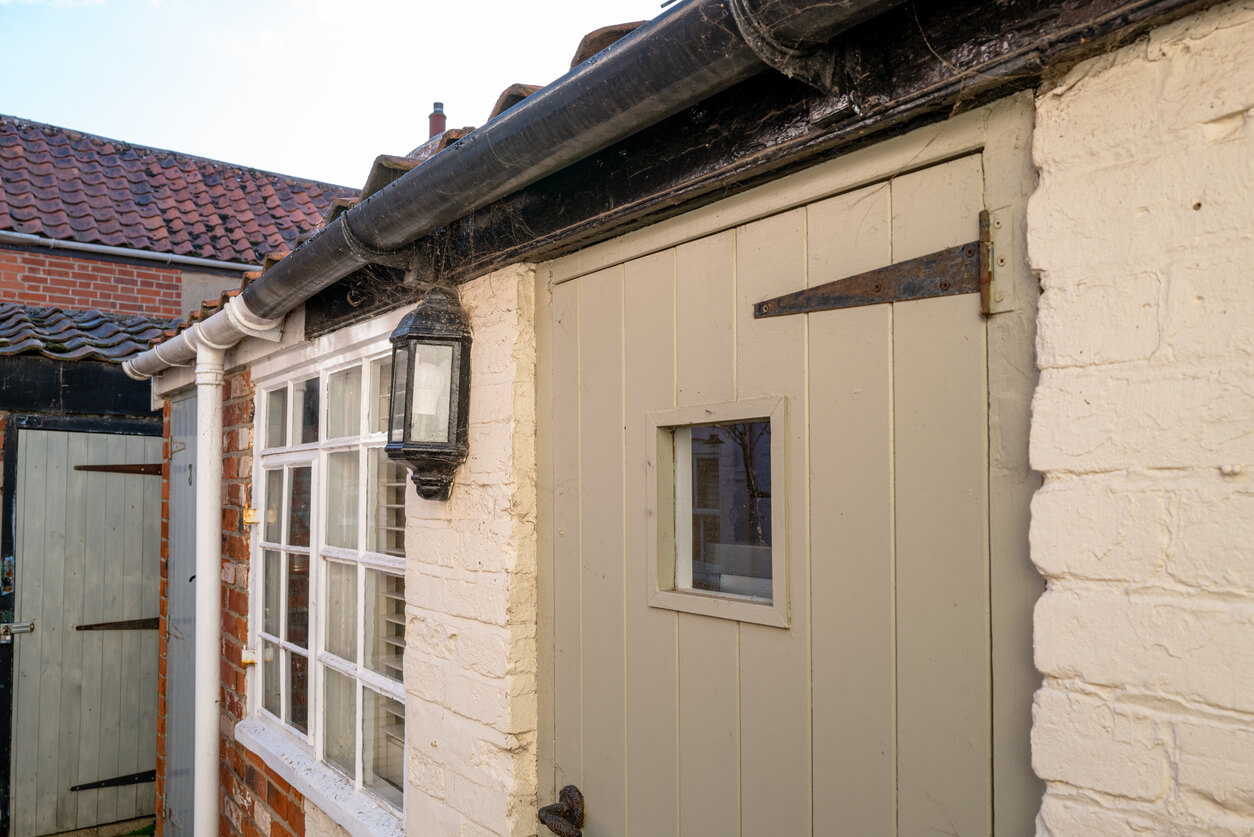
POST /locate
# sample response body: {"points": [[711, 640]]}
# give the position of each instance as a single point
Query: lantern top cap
{"points": [[439, 316]]}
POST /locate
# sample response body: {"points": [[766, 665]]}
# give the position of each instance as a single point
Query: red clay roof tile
{"points": [[149, 198]]}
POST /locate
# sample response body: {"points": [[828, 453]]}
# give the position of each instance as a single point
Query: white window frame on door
{"points": [[665, 534], [361, 347]]}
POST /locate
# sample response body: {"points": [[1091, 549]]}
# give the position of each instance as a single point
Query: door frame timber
{"points": [[8, 534], [1001, 134]]}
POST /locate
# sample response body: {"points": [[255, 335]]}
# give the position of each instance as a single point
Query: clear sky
{"points": [[314, 88]]}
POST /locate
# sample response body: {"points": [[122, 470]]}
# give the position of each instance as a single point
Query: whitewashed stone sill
{"points": [[359, 813]]}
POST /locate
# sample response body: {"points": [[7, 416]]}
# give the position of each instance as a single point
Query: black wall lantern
{"points": [[431, 392]]}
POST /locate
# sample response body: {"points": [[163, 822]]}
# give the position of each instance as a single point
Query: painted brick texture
{"points": [[470, 656], [1139, 230], [38, 278]]}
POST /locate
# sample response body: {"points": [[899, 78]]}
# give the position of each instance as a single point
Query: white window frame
{"points": [[664, 536], [363, 811]]}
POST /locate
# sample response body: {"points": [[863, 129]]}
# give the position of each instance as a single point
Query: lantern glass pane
{"points": [[432, 392], [400, 385]]}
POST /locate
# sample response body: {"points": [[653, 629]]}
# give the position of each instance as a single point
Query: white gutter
{"points": [[26, 240], [206, 343]]}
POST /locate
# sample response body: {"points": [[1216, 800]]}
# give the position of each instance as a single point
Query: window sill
{"points": [[358, 812]]}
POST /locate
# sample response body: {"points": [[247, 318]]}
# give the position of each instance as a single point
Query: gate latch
{"points": [[8, 629]]}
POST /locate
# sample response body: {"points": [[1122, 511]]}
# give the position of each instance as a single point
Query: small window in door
{"points": [[723, 508], [716, 510]]}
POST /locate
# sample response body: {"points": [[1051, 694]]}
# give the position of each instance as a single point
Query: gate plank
{"points": [[567, 685], [132, 595], [52, 563], [89, 766], [775, 772], [851, 526], [940, 417], [72, 642], [33, 470], [601, 545], [110, 764], [652, 675], [709, 649]]}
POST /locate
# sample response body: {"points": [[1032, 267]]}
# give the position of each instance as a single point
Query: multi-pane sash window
{"points": [[332, 622]]}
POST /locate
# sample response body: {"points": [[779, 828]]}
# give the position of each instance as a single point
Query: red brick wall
{"points": [[82, 283], [254, 800]]}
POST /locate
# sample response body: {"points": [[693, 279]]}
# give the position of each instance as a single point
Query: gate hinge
{"points": [[997, 272]]}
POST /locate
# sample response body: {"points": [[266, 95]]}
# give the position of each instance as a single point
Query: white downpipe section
{"points": [[206, 343], [207, 709]]}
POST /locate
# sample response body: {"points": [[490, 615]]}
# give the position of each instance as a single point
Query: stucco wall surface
{"points": [[1143, 424], [470, 655]]}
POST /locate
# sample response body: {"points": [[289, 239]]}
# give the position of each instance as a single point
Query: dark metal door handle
{"points": [[565, 818]]}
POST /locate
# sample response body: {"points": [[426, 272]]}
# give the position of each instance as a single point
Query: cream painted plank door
{"points": [[88, 551], [869, 711]]}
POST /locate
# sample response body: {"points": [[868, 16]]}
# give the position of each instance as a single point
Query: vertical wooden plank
{"points": [[150, 575], [131, 600], [76, 493], [709, 649], [567, 686], [652, 674], [94, 521], [27, 704], [851, 524], [1015, 584], [940, 425], [545, 535], [705, 335], [51, 626], [112, 556], [709, 726], [775, 773], [601, 547]]}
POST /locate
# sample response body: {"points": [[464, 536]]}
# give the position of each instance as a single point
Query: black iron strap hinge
{"points": [[965, 269]]}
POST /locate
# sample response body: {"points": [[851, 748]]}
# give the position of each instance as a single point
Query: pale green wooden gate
{"points": [[85, 698]]}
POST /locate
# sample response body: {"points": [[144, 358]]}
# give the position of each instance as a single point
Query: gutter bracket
{"points": [[816, 66], [402, 258]]}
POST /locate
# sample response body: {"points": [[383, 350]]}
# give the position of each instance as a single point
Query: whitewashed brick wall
{"points": [[470, 656], [1142, 230]]}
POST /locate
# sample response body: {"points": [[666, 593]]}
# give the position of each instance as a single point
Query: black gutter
{"points": [[687, 54]]}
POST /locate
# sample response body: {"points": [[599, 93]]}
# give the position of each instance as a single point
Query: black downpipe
{"points": [[687, 54]]}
